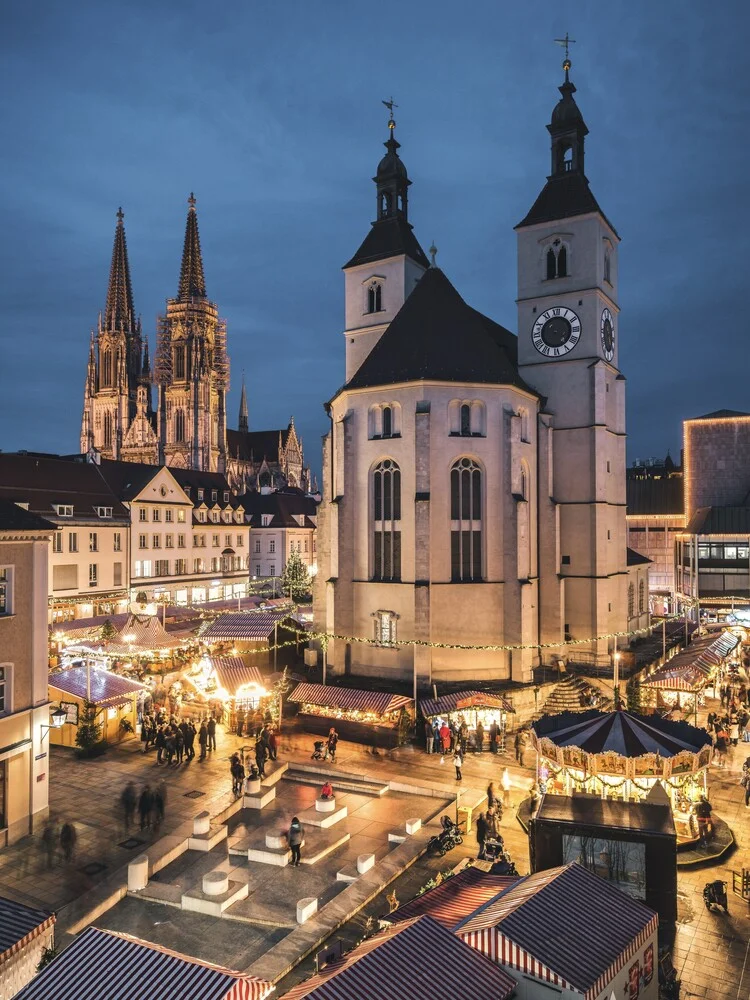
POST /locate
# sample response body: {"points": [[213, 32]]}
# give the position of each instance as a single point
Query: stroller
{"points": [[502, 863], [447, 839], [715, 894], [318, 753]]}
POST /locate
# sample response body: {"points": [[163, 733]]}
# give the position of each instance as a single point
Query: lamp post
{"points": [[58, 720]]}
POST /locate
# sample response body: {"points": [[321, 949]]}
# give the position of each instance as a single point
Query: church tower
{"points": [[568, 350], [387, 266], [115, 366], [192, 368]]}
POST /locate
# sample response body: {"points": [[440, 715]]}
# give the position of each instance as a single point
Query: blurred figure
{"points": [[211, 730], [505, 782], [68, 838], [128, 803], [50, 839], [145, 807], [158, 806], [273, 744], [203, 740], [238, 774]]}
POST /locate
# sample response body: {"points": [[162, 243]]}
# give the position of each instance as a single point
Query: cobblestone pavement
{"points": [[712, 951]]}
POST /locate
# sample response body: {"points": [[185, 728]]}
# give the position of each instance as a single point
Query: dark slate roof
{"points": [[256, 445], [636, 559], [389, 238], [15, 518], [127, 479], [720, 521], [576, 810], [282, 506], [655, 496], [43, 481], [562, 197], [721, 415], [436, 335], [17, 921]]}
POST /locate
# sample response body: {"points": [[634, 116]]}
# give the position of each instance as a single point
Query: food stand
{"points": [[376, 718], [680, 683], [621, 756], [228, 686], [470, 707], [115, 697]]}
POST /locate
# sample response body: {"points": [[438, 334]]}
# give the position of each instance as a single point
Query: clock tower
{"points": [[568, 351]]}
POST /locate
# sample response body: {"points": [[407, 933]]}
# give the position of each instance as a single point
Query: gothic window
{"points": [[385, 627], [387, 422], [385, 204], [556, 260], [551, 264], [562, 263], [607, 267], [179, 425], [108, 430], [568, 158], [465, 420], [107, 368], [386, 521], [631, 600], [375, 297], [641, 597], [466, 521], [179, 362]]}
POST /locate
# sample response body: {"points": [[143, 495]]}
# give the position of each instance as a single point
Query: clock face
{"points": [[607, 330], [556, 331]]}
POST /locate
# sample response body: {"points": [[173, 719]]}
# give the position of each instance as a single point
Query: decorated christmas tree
{"points": [[295, 581]]}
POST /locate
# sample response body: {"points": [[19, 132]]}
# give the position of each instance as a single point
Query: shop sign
{"points": [[648, 965], [634, 981]]}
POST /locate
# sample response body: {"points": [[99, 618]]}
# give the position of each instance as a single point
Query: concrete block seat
{"points": [[306, 908], [216, 893], [271, 848], [275, 770], [326, 805], [205, 836], [323, 819], [162, 892], [260, 798]]}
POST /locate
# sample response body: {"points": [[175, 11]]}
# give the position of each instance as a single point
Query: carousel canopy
{"points": [[463, 699], [232, 673], [349, 699], [624, 733], [250, 626], [100, 686]]}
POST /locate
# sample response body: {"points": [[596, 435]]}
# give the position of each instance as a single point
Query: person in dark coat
{"points": [[211, 729], [295, 837], [479, 739], [481, 834], [273, 744], [158, 809], [160, 742], [203, 740], [494, 733], [190, 739], [428, 740], [145, 807], [128, 803], [68, 838], [238, 774], [240, 722], [518, 747], [333, 742], [260, 758]]}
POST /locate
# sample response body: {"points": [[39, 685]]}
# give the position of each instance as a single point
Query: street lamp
{"points": [[58, 720]]}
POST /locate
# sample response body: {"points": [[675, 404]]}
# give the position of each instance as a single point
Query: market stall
{"points": [[622, 756], [229, 688], [376, 718], [680, 683], [272, 637], [115, 697], [471, 708]]}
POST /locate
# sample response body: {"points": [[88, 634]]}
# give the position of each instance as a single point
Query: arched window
{"points": [[641, 597], [385, 204], [562, 263], [607, 267], [465, 420], [466, 521], [568, 158], [107, 429], [631, 600], [551, 264], [523, 413], [386, 520], [179, 425], [107, 368], [375, 297], [179, 363], [556, 260], [524, 483], [387, 422]]}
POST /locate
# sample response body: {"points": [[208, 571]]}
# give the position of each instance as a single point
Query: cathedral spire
{"points": [[192, 281], [391, 177], [244, 423], [119, 313]]}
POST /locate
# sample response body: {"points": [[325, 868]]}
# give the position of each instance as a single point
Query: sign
{"points": [[479, 701], [634, 981], [40, 756], [648, 965], [42, 776]]}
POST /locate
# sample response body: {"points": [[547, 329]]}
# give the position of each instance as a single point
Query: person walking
{"points": [[159, 805], [128, 803], [179, 746], [211, 730], [145, 806], [458, 763], [160, 742], [240, 722], [190, 740], [491, 796], [333, 742], [518, 747], [203, 740], [445, 738], [505, 782], [273, 744], [428, 741], [68, 838], [734, 732], [479, 737], [238, 774], [481, 835], [295, 838], [49, 841]]}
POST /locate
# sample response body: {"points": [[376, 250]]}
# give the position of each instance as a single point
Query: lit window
{"points": [[92, 574], [631, 600], [117, 542], [181, 516], [6, 591], [93, 542]]}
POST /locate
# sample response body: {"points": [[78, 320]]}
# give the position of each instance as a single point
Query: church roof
{"points": [[720, 521], [389, 238], [562, 197], [256, 444], [437, 336]]}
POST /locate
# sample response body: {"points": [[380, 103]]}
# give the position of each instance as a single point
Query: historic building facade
{"points": [[474, 480], [188, 428]]}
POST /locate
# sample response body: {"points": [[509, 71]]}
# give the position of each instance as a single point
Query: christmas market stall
{"points": [[622, 756], [230, 689], [680, 683], [473, 709], [376, 718], [115, 700], [270, 636]]}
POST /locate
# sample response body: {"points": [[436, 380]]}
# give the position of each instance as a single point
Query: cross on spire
{"points": [[567, 42], [191, 200], [391, 120]]}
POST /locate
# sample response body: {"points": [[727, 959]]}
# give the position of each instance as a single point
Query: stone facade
{"points": [[717, 460]]}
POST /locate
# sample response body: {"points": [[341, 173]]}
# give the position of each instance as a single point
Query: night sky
{"points": [[271, 112]]}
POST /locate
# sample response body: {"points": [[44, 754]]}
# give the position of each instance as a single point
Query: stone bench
{"points": [[414, 824], [259, 799], [138, 873], [306, 908], [365, 862], [204, 837], [324, 820], [217, 893], [326, 805], [275, 770]]}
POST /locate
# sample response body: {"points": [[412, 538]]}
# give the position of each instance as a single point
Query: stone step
{"points": [[275, 771], [213, 903], [260, 799], [162, 892], [316, 845], [346, 783], [207, 841], [324, 820]]}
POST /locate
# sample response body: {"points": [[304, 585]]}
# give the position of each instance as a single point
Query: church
{"points": [[474, 478], [188, 427]]}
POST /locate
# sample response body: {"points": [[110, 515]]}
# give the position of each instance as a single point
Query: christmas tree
{"points": [[107, 631], [295, 580]]}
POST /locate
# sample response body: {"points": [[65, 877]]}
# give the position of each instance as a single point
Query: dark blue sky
{"points": [[271, 113]]}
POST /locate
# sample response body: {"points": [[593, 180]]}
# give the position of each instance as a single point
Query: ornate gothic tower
{"points": [[568, 350], [192, 368], [116, 362]]}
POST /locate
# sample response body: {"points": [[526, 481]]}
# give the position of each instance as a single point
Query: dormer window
{"points": [[226, 496], [214, 495], [556, 260], [375, 297], [104, 511], [64, 510], [200, 494]]}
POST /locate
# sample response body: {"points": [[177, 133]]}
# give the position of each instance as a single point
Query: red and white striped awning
{"points": [[101, 964], [462, 700], [349, 699], [691, 669], [251, 626], [454, 899], [414, 960], [232, 673]]}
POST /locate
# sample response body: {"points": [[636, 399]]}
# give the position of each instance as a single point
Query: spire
{"points": [[119, 312], [243, 424], [146, 369], [567, 127], [192, 282], [391, 177]]}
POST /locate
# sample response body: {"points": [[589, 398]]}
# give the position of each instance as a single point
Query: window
{"points": [[117, 574], [385, 626], [180, 541], [215, 541], [197, 565], [104, 511], [257, 569], [156, 514], [181, 516], [92, 574], [386, 517], [565, 560], [72, 541], [608, 267], [257, 544], [179, 364], [742, 551], [730, 551], [106, 368], [107, 429], [556, 260], [169, 541], [200, 494], [215, 516], [387, 422], [466, 521], [179, 425], [703, 550], [641, 597], [180, 567], [156, 541], [226, 496], [168, 515], [631, 600], [6, 591], [375, 297], [93, 542], [162, 567], [117, 542], [305, 545], [272, 545], [272, 569], [64, 510], [551, 264], [240, 541], [215, 564], [143, 514], [143, 541], [465, 420], [57, 541], [265, 520], [228, 541], [214, 496]]}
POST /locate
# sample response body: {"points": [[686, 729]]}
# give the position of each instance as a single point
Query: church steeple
{"points": [[192, 281], [567, 129], [391, 178], [118, 312], [243, 425]]}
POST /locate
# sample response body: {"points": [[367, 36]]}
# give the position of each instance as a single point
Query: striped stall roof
{"points": [[691, 669], [415, 960], [18, 924], [463, 699], [455, 898], [566, 925], [249, 625], [349, 699], [232, 673], [103, 965], [106, 688]]}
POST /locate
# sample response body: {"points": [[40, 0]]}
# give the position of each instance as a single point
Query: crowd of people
{"points": [[443, 736], [148, 809]]}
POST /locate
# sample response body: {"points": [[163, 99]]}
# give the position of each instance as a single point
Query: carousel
{"points": [[622, 756]]}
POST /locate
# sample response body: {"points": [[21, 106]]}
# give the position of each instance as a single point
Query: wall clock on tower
{"points": [[607, 330], [556, 331]]}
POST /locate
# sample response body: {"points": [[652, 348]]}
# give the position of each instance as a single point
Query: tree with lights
{"points": [[295, 580]]}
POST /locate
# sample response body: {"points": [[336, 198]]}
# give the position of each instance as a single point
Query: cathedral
{"points": [[474, 478], [188, 428]]}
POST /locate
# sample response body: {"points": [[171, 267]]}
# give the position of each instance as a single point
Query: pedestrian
{"points": [[238, 774], [265, 736], [211, 729], [734, 732], [481, 835], [333, 742], [703, 812], [128, 803], [518, 747], [435, 736], [491, 796], [720, 747], [445, 738], [159, 805], [428, 739], [492, 822], [190, 740], [145, 806], [50, 840], [169, 746], [295, 838], [458, 763], [68, 837], [273, 744], [745, 781], [494, 732], [145, 732], [505, 782], [240, 721], [260, 758], [203, 740], [160, 743], [479, 737], [179, 746]]}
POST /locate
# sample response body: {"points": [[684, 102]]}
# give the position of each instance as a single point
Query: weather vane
{"points": [[567, 42], [391, 105]]}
